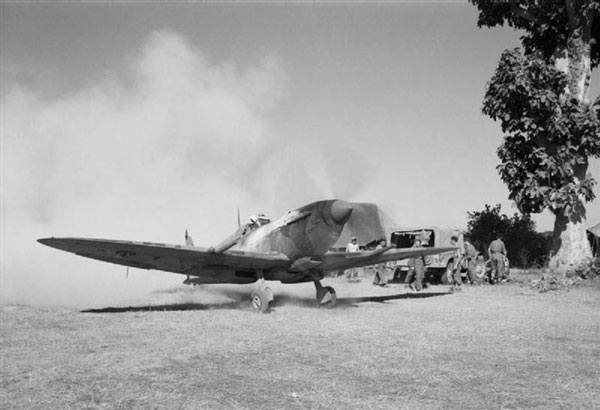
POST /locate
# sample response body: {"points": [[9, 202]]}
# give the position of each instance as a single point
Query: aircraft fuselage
{"points": [[305, 232]]}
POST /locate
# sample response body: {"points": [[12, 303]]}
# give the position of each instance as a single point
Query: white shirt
{"points": [[352, 247]]}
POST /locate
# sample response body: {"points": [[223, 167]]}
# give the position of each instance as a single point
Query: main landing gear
{"points": [[325, 295], [262, 297]]}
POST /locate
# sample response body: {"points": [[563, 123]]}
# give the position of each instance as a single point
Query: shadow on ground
{"points": [[282, 300], [385, 298]]}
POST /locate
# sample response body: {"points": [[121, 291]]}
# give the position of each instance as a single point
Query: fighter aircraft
{"points": [[292, 249]]}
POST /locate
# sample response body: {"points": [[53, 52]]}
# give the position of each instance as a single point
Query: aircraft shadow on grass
{"points": [[245, 305]]}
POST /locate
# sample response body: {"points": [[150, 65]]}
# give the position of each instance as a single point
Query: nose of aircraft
{"points": [[341, 211]]}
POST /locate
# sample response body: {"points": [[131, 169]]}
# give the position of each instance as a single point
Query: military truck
{"points": [[439, 267]]}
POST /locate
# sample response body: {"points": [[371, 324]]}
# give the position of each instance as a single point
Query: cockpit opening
{"points": [[256, 221], [259, 220]]}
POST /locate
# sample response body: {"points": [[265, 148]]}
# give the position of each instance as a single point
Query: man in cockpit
{"points": [[258, 221]]}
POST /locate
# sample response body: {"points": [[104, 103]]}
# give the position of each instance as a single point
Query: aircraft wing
{"points": [[183, 259], [340, 260]]}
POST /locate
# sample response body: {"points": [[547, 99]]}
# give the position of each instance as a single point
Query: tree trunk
{"points": [[572, 250], [579, 50]]}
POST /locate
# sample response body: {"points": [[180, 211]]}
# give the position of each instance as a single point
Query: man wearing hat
{"points": [[352, 274], [457, 241]]}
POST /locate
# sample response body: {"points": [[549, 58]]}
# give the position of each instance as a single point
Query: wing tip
{"points": [[53, 242]]}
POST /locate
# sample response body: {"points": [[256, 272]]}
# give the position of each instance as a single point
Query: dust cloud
{"points": [[238, 295], [172, 143]]}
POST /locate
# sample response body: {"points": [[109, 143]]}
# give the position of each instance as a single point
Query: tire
{"points": [[447, 276], [506, 268], [328, 299], [269, 293], [261, 300], [480, 271], [493, 276]]}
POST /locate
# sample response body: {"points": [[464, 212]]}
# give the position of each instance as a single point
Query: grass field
{"points": [[502, 347]]}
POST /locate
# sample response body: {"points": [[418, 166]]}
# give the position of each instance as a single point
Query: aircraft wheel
{"points": [[327, 298], [261, 299], [269, 293]]}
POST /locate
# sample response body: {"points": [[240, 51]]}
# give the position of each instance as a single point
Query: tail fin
{"points": [[188, 239]]}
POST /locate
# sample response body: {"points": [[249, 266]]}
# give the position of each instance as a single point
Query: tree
{"points": [[483, 226], [525, 246], [541, 97]]}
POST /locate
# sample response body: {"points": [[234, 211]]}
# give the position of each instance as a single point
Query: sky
{"points": [[137, 121]]}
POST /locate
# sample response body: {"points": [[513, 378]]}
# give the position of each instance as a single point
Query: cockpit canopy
{"points": [[259, 220], [256, 221]]}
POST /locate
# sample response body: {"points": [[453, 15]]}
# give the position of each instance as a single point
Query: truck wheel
{"points": [[479, 271]]}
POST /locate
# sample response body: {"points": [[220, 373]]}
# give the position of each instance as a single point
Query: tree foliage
{"points": [[545, 24], [525, 246], [540, 94], [549, 133], [548, 137]]}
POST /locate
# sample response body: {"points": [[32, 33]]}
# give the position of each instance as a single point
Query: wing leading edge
{"points": [[183, 259], [340, 260]]}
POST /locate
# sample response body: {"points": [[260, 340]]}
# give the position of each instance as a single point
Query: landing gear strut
{"points": [[325, 295], [262, 296]]}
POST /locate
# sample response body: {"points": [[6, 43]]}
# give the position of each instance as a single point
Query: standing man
{"points": [[417, 273], [352, 274], [467, 258], [380, 278], [497, 252], [458, 258], [470, 257]]}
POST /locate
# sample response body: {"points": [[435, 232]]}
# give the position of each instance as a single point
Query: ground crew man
{"points": [[469, 257], [471, 254], [417, 272], [497, 252], [352, 274], [458, 257], [380, 278]]}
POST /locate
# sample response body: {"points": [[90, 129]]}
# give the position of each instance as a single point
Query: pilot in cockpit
{"points": [[258, 221]]}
